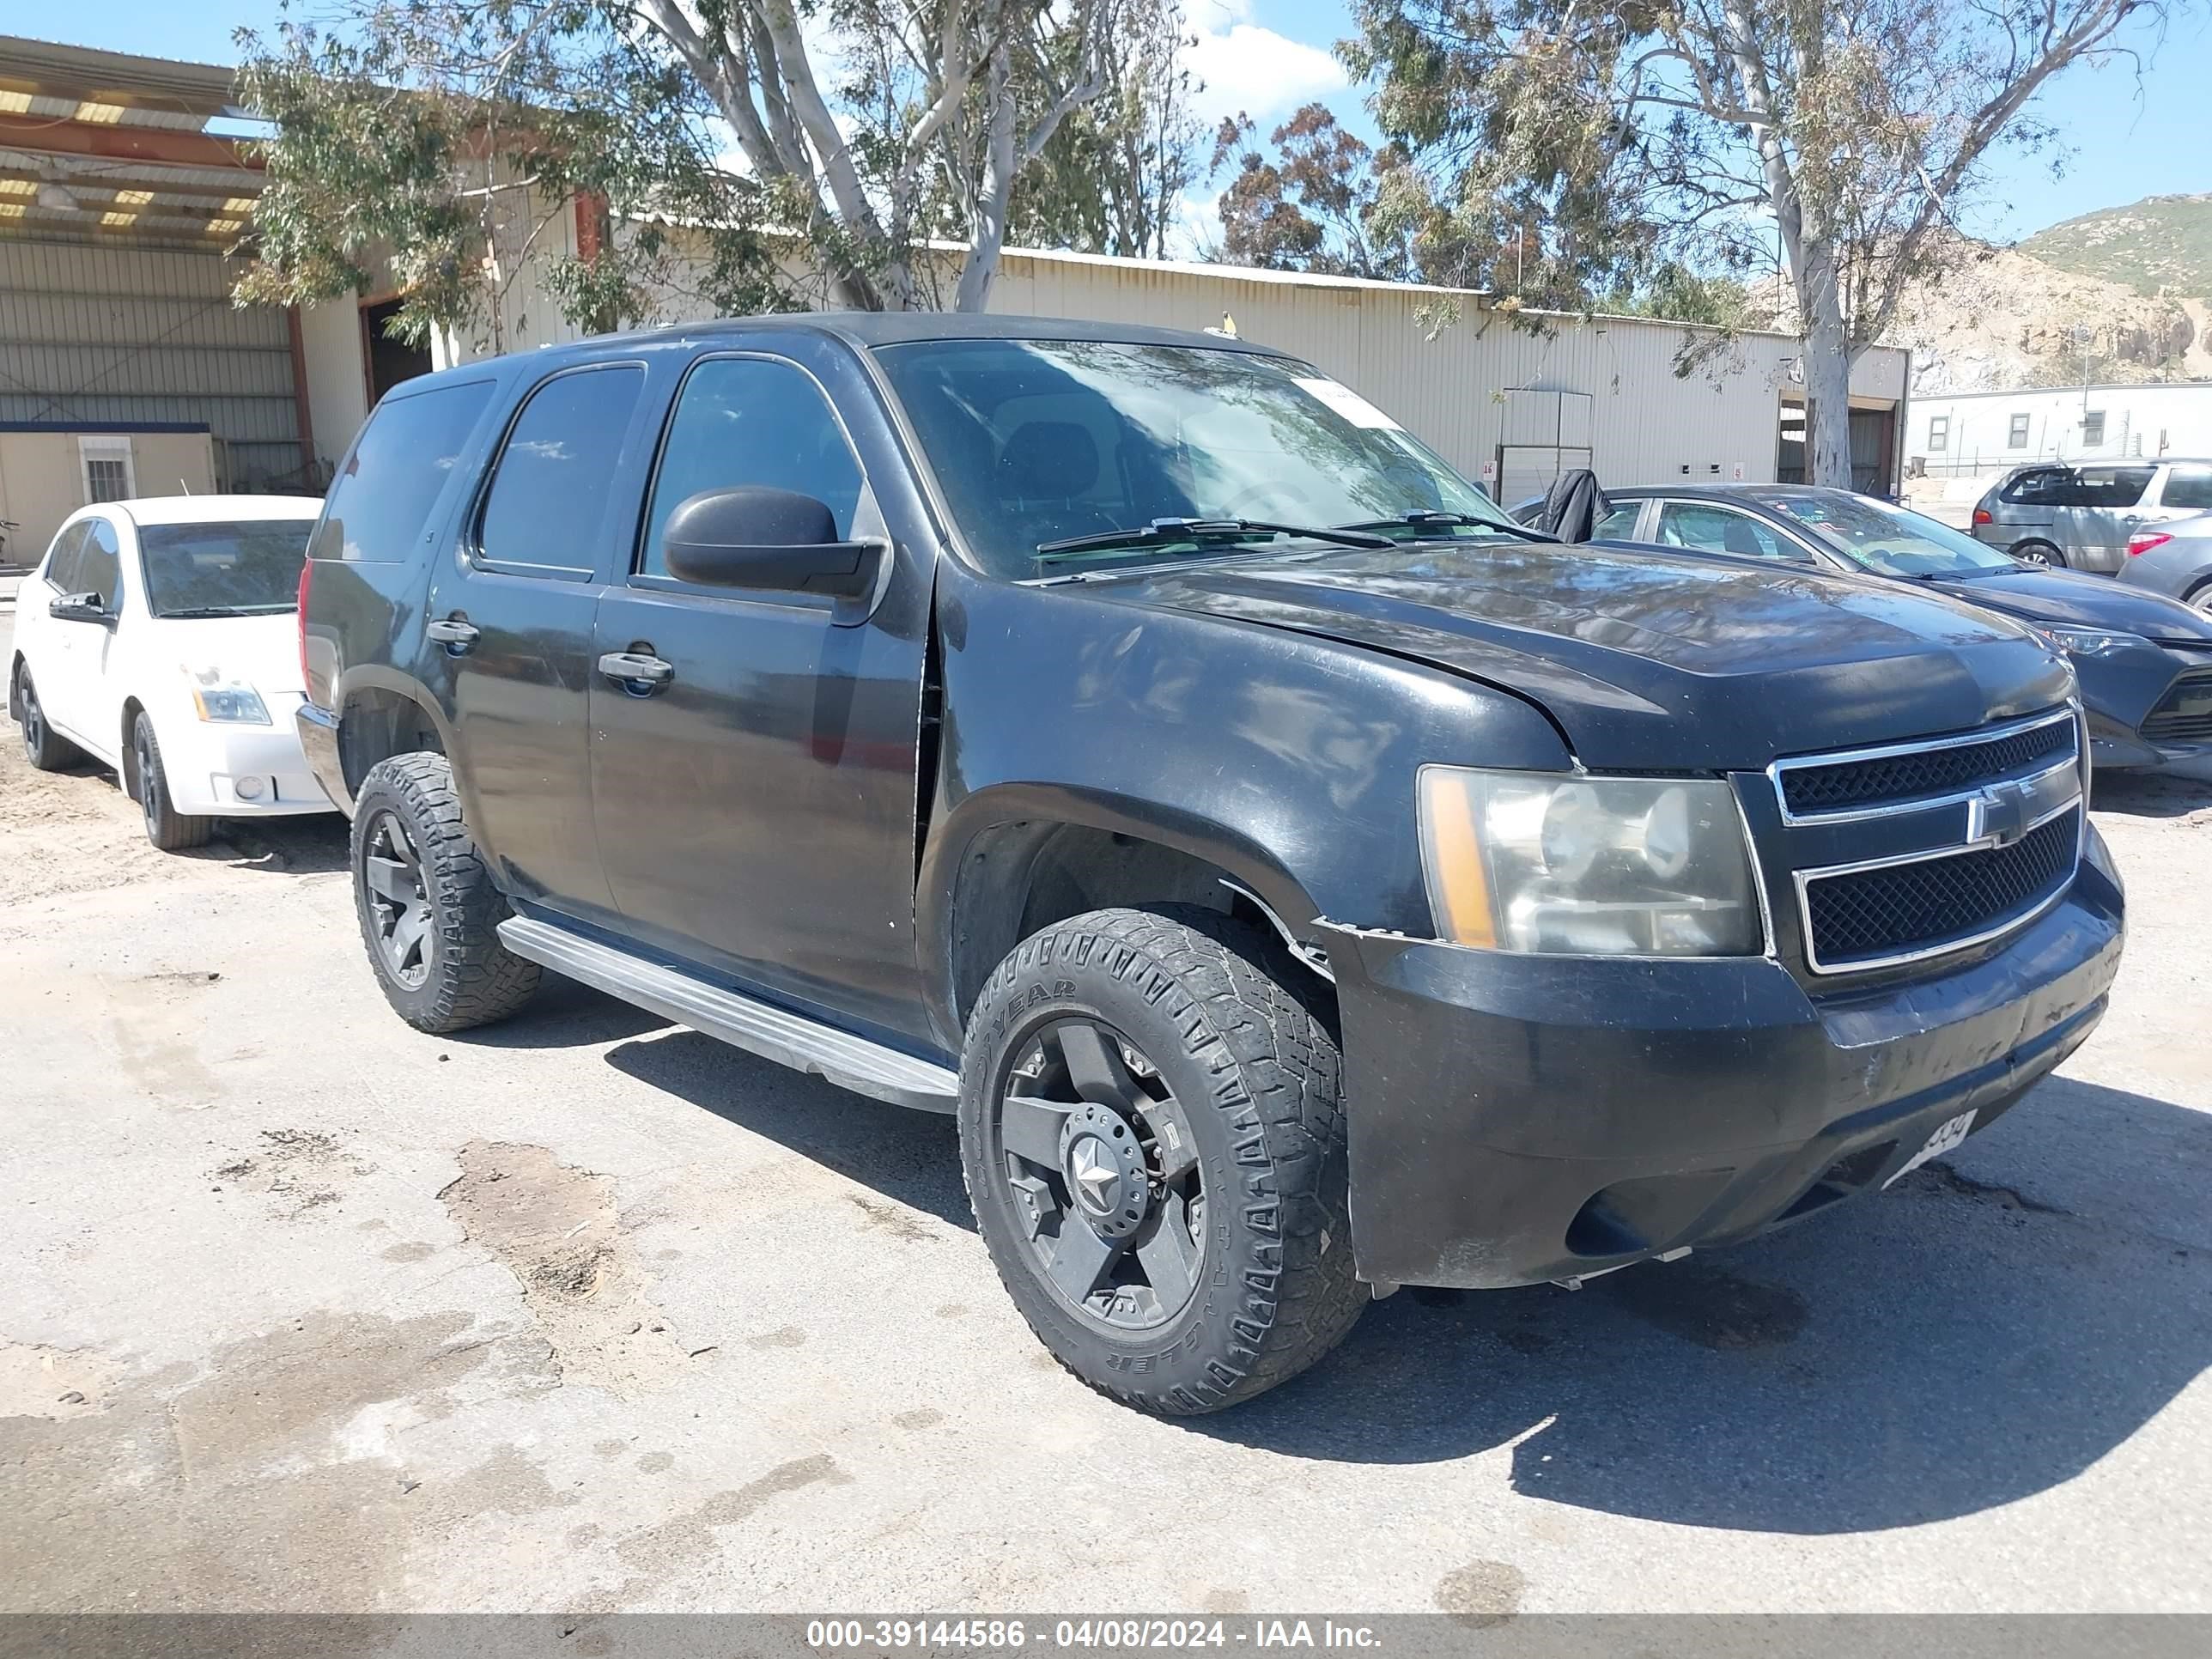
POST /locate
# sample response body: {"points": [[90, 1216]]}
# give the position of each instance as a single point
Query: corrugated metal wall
{"points": [[117, 333]]}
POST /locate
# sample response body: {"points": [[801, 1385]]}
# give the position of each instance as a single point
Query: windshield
{"points": [[241, 569], [1038, 441], [1889, 540]]}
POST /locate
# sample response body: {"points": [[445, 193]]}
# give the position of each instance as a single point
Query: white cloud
{"points": [[1197, 229], [1248, 68]]}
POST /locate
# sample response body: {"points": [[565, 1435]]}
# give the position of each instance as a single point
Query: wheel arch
{"points": [[1016, 857], [380, 716]]}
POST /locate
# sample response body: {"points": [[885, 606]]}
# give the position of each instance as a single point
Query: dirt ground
{"points": [[308, 1311]]}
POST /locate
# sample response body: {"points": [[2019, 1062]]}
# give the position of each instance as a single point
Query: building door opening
{"points": [[389, 360]]}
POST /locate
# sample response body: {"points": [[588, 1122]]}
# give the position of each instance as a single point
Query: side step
{"points": [[789, 1039]]}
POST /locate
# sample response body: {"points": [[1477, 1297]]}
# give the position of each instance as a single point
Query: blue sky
{"points": [[2130, 136]]}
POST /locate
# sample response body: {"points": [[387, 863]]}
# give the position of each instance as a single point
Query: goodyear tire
{"points": [[1152, 1133]]}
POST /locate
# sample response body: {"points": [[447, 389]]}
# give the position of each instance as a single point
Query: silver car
{"points": [[2173, 558], [2082, 515]]}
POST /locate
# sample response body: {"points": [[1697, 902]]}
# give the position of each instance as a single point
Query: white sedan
{"points": [[160, 637]]}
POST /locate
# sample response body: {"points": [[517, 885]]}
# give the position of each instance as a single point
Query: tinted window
{"points": [[548, 492], [65, 558], [1616, 525], [1720, 530], [750, 421], [100, 569], [2110, 486], [380, 504], [2047, 486], [247, 568], [2190, 487]]}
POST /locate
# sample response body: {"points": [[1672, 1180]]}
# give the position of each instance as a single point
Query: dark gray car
{"points": [[2144, 662], [2175, 559]]}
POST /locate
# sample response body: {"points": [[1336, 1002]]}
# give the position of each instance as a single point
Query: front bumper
{"points": [[2123, 693], [238, 770], [1515, 1119]]}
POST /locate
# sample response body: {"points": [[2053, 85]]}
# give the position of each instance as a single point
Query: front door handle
{"points": [[633, 671], [453, 631]]}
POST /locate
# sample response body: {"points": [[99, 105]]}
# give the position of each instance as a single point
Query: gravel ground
{"points": [[308, 1311]]}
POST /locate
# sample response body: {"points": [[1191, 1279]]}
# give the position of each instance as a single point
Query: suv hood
{"points": [[2069, 599], [1643, 658]]}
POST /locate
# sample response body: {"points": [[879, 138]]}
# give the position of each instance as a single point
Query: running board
{"points": [[789, 1039]]}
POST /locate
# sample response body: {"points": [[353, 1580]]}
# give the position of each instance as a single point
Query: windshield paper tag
{"points": [[1349, 403]]}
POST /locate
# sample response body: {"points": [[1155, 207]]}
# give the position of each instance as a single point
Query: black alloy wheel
{"points": [[1104, 1173], [145, 767], [27, 712], [398, 899]]}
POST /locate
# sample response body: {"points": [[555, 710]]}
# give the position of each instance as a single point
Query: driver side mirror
{"points": [[769, 540], [81, 607]]}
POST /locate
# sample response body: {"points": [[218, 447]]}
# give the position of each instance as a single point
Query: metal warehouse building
{"points": [[126, 369]]}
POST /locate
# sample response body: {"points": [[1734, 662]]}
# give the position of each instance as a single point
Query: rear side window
{"points": [[2189, 487], [2111, 486], [2044, 487], [548, 499], [1616, 525], [750, 421], [380, 504]]}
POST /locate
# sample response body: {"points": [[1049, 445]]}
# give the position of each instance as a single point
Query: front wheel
{"points": [[2042, 555], [428, 910], [1152, 1132], [166, 826]]}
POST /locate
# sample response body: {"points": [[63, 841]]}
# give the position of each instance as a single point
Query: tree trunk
{"points": [[1827, 369], [989, 235]]}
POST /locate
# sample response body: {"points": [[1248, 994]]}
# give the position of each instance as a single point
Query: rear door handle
{"points": [[633, 669], [452, 630]]}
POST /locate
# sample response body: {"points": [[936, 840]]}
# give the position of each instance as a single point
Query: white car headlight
{"points": [[1539, 862], [2091, 642], [220, 698]]}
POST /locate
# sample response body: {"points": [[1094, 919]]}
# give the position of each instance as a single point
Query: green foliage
{"points": [[2161, 245]]}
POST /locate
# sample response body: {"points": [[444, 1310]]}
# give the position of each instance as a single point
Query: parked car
{"points": [[2175, 560], [157, 636], [2082, 515], [2144, 663], [1297, 879]]}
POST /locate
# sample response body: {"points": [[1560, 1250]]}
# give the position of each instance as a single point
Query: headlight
{"points": [[231, 702], [1588, 866], [2091, 642]]}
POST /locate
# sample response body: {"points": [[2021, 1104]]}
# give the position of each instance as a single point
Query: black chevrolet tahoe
{"points": [[1297, 879]]}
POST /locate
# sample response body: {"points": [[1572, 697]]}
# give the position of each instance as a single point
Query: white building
{"points": [[1978, 433]]}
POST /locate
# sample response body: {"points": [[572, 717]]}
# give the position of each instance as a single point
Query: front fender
{"points": [[1286, 760]]}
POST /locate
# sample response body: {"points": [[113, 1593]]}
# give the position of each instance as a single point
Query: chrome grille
{"points": [[1880, 778], [2184, 714], [1902, 909], [2005, 852]]}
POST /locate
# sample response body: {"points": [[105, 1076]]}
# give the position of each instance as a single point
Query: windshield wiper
{"points": [[1169, 531], [1433, 518], [201, 612]]}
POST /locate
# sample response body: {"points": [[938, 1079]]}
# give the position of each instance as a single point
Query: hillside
{"points": [[2161, 245], [1997, 317]]}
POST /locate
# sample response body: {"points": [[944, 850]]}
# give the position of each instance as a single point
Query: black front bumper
{"points": [[319, 741], [1515, 1119]]}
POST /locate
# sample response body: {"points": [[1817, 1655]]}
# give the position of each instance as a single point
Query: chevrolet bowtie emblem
{"points": [[1998, 815]]}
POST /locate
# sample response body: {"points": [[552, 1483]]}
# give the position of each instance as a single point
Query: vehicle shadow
{"points": [[1947, 1347], [910, 1157], [2150, 794], [309, 846], [567, 1014]]}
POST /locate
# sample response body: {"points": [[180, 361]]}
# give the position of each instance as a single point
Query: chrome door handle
{"points": [[452, 631], [632, 669]]}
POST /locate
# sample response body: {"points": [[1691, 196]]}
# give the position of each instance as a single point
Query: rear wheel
{"points": [[428, 911], [166, 826], [1152, 1134], [2202, 598], [42, 747], [2042, 553]]}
